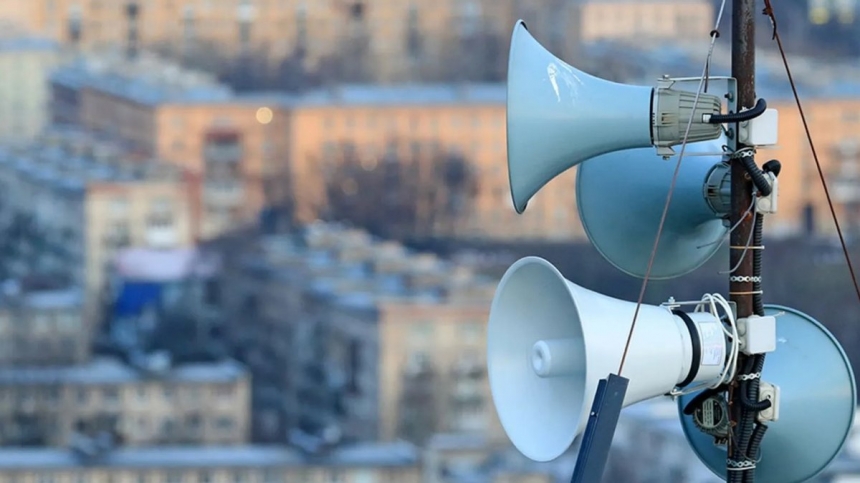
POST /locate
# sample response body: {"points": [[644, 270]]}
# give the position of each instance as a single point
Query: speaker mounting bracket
{"points": [[730, 94], [673, 304]]}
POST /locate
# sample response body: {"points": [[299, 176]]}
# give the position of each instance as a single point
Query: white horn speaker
{"points": [[558, 116], [817, 401], [550, 341], [621, 197]]}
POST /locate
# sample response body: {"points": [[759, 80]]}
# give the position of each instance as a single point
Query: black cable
{"points": [[749, 114], [753, 450], [758, 178], [747, 440], [750, 390]]}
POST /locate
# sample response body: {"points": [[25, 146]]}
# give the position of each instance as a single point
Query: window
{"points": [[188, 31], [224, 391], [244, 35], [301, 27], [413, 35], [421, 333], [471, 331], [119, 207], [224, 424], [355, 363], [194, 422], [168, 427], [111, 395]]}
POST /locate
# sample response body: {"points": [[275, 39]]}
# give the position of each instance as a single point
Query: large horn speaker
{"points": [[550, 341], [817, 401], [621, 197], [559, 116]]}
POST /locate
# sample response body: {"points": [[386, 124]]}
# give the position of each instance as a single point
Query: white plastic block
{"points": [[767, 205], [761, 131], [758, 334], [769, 392]]}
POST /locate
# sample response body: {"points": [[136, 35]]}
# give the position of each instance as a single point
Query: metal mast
{"points": [[740, 281]]}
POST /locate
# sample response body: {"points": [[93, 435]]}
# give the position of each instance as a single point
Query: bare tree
{"points": [[419, 194]]}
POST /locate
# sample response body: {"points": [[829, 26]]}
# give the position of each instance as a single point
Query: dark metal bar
{"points": [[597, 439], [743, 69]]}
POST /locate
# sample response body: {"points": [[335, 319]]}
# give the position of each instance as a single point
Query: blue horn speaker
{"points": [[817, 398], [621, 197]]}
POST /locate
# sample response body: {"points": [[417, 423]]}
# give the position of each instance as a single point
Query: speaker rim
{"points": [[517, 31], [510, 421], [597, 244], [688, 427]]}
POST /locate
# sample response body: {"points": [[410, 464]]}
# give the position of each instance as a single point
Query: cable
{"points": [[714, 35], [749, 384], [768, 10], [743, 116]]}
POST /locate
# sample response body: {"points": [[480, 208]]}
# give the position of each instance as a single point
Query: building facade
{"points": [[24, 91], [185, 404], [42, 326], [73, 201], [373, 342], [358, 40]]}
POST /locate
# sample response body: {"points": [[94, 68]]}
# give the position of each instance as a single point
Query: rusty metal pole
{"points": [[740, 292]]}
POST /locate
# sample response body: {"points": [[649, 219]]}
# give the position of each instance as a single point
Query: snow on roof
{"points": [[112, 371], [246, 456]]}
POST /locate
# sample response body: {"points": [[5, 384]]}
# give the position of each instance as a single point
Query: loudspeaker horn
{"points": [[817, 400], [559, 116], [621, 197], [550, 341]]}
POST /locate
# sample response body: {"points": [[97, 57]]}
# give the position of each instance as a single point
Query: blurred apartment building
{"points": [[202, 404], [245, 151], [374, 40], [824, 11], [24, 94], [833, 113], [42, 324], [362, 463], [218, 464], [350, 339], [157, 109], [71, 201]]}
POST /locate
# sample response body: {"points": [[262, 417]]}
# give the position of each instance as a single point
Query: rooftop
{"points": [[252, 456], [71, 160], [111, 371], [350, 269], [148, 80], [387, 95]]}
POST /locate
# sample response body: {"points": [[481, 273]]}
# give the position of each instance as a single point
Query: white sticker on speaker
{"points": [[713, 344]]}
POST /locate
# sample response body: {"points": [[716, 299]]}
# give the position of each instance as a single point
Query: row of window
{"points": [[416, 122], [292, 475], [112, 394]]}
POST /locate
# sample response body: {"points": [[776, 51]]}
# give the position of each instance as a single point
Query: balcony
{"points": [[224, 193], [223, 153], [846, 190], [467, 392]]}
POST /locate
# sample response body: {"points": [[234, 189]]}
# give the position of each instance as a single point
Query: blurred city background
{"points": [[256, 241]]}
